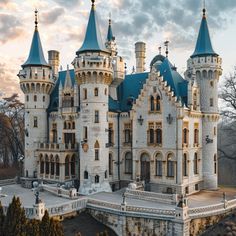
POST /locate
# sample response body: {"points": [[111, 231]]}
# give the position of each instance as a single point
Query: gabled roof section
{"points": [[93, 39], [36, 56], [203, 45], [68, 81], [54, 97]]}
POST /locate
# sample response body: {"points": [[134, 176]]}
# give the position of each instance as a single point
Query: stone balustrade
{"points": [[151, 196]]}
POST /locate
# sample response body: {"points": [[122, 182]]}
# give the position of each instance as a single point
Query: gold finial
{"points": [[36, 19]]}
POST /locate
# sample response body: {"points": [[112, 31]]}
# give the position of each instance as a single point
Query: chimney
{"points": [[140, 52], [53, 60]]}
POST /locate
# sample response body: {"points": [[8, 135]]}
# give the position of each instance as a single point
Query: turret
{"points": [[94, 73], [54, 61], [204, 66], [140, 52], [36, 82]]}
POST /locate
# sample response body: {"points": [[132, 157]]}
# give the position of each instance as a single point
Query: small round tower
{"points": [[36, 82], [207, 66]]}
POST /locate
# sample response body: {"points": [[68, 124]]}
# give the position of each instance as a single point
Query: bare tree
{"points": [[227, 128], [11, 129]]}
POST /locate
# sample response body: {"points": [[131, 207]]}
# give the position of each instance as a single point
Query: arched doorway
{"points": [[145, 167]]}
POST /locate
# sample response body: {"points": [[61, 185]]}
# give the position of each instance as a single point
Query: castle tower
{"points": [[94, 73], [36, 82], [207, 65], [110, 42]]}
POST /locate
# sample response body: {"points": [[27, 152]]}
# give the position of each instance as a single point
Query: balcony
{"points": [[58, 146]]}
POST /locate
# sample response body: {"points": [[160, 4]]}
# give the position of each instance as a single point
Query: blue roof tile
{"points": [[36, 56], [93, 39], [110, 36], [203, 45]]}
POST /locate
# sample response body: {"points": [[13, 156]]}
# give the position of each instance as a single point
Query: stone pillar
{"points": [[39, 210], [181, 221]]}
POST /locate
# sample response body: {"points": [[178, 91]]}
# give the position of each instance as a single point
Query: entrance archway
{"points": [[145, 167]]}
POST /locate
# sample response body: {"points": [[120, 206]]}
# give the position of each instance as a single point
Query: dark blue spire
{"points": [[203, 45], [36, 57], [93, 39], [110, 36]]}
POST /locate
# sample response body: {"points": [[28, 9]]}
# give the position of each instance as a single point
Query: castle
{"points": [[101, 128]]}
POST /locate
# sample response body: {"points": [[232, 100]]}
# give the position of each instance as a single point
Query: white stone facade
{"points": [[165, 139]]}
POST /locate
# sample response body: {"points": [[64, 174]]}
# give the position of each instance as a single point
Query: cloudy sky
{"points": [[62, 25]]}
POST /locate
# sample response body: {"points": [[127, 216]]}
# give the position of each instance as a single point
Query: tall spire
{"points": [[203, 45], [36, 56], [93, 39], [110, 36]]}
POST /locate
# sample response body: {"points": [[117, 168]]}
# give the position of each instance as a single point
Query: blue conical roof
{"points": [[203, 45], [36, 57], [110, 36], [93, 39]]}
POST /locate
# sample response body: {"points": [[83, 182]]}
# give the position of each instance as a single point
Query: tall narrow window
{"points": [[185, 136], [152, 107], [41, 166], [84, 93], [128, 163], [35, 98], [110, 134], [110, 164], [96, 92], [43, 98], [158, 167], [170, 166], [47, 165], [67, 166], [127, 136], [96, 148], [57, 166], [85, 174], [72, 166], [85, 133], [96, 179], [195, 164], [196, 136], [52, 166], [96, 116], [158, 103], [27, 98], [35, 122], [159, 136], [211, 102], [185, 165], [215, 164], [151, 136]]}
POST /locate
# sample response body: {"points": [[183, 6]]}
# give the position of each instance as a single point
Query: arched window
{"points": [[35, 98], [195, 164], [128, 163], [158, 164], [96, 150], [170, 166], [72, 165], [110, 164], [185, 165], [67, 166], [159, 136], [105, 92], [85, 174], [105, 174], [43, 98], [151, 136], [185, 135], [84, 93], [65, 126], [35, 121], [52, 172], [196, 136], [41, 165], [158, 103], [73, 125], [47, 165], [152, 107], [96, 92], [96, 179], [57, 166], [215, 164]]}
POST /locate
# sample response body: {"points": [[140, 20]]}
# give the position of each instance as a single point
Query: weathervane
{"points": [[36, 19], [159, 48]]}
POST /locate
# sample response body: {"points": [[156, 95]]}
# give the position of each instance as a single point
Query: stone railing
{"points": [[58, 146], [66, 193], [5, 182], [211, 210], [151, 196], [130, 210], [72, 206]]}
